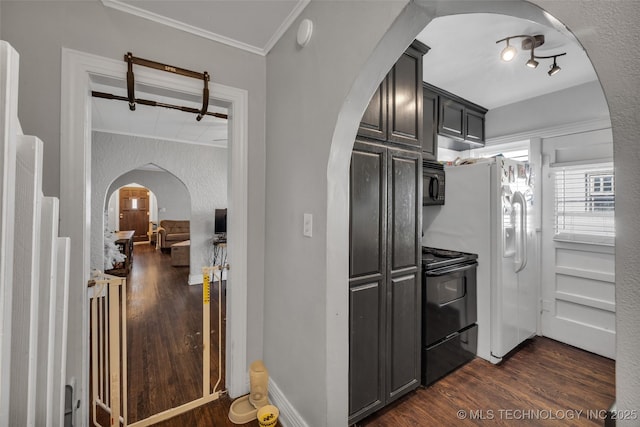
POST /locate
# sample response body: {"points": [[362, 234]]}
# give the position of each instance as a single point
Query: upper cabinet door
{"points": [[394, 113], [451, 118], [475, 126], [374, 120], [405, 99], [430, 127]]}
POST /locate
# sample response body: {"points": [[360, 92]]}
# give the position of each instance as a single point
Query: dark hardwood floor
{"points": [[164, 341], [545, 383], [544, 379]]}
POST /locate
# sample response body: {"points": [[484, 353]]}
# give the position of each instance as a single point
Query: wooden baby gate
{"points": [[109, 349]]}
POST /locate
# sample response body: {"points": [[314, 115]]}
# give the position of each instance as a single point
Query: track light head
{"points": [[532, 63], [508, 53], [554, 68]]}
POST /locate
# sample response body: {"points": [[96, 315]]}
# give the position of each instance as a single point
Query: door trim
{"points": [[75, 205]]}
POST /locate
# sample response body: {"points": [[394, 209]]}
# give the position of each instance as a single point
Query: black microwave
{"points": [[433, 183]]}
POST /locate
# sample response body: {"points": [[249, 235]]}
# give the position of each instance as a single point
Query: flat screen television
{"points": [[220, 222]]}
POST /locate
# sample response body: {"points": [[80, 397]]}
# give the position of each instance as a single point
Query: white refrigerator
{"points": [[489, 211]]}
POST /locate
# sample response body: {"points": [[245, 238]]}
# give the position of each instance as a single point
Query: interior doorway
{"points": [[404, 29], [134, 211], [166, 310]]}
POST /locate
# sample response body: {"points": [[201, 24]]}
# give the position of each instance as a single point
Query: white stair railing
{"points": [[34, 278], [9, 130]]}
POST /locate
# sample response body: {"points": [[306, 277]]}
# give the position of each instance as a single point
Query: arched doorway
{"points": [[406, 27]]}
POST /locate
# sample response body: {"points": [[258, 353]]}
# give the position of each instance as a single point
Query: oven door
{"points": [[448, 300]]}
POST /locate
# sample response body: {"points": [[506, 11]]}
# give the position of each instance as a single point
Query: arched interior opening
{"points": [[415, 19]]}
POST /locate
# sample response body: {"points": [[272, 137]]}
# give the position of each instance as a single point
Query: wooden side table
{"points": [[124, 242]]}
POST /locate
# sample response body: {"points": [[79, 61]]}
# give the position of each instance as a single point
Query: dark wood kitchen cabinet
{"points": [[461, 121], [474, 126], [456, 118], [395, 111], [451, 122], [429, 125], [384, 276]]}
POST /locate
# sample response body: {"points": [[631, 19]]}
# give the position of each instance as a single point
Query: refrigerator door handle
{"points": [[521, 234]]}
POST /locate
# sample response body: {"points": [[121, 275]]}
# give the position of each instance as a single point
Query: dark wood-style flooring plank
{"points": [[544, 383]]}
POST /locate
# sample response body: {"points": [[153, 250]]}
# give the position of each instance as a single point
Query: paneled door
{"points": [[134, 211], [578, 248]]}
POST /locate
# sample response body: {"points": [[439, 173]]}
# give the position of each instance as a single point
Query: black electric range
{"points": [[434, 258], [449, 298]]}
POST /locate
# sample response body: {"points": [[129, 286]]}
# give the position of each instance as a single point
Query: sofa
{"points": [[172, 231]]}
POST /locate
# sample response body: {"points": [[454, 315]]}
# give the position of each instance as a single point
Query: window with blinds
{"points": [[584, 204]]}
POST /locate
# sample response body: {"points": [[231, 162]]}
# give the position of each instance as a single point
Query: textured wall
{"points": [[200, 168]]}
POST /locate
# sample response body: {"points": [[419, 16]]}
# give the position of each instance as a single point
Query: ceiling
{"points": [[464, 60]]}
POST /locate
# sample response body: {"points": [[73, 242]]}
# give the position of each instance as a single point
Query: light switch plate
{"points": [[307, 227]]}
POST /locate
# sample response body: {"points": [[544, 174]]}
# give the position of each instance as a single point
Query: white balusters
{"points": [[34, 274]]}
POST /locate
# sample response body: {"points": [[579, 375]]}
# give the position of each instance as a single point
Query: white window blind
{"points": [[584, 204]]}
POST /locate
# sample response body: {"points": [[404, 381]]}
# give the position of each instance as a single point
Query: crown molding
{"points": [[295, 12], [160, 19]]}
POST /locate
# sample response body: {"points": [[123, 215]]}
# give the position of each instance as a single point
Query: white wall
{"points": [[305, 91], [576, 105], [38, 30], [199, 168]]}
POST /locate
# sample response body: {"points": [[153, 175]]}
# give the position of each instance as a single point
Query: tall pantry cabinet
{"points": [[385, 234]]}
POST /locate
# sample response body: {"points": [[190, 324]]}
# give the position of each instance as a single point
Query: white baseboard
{"points": [[196, 279], [289, 417]]}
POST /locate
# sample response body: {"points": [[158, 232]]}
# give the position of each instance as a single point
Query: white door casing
{"points": [[75, 204]]}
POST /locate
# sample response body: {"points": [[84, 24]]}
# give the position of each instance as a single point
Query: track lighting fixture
{"points": [[508, 53], [554, 68], [529, 43]]}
